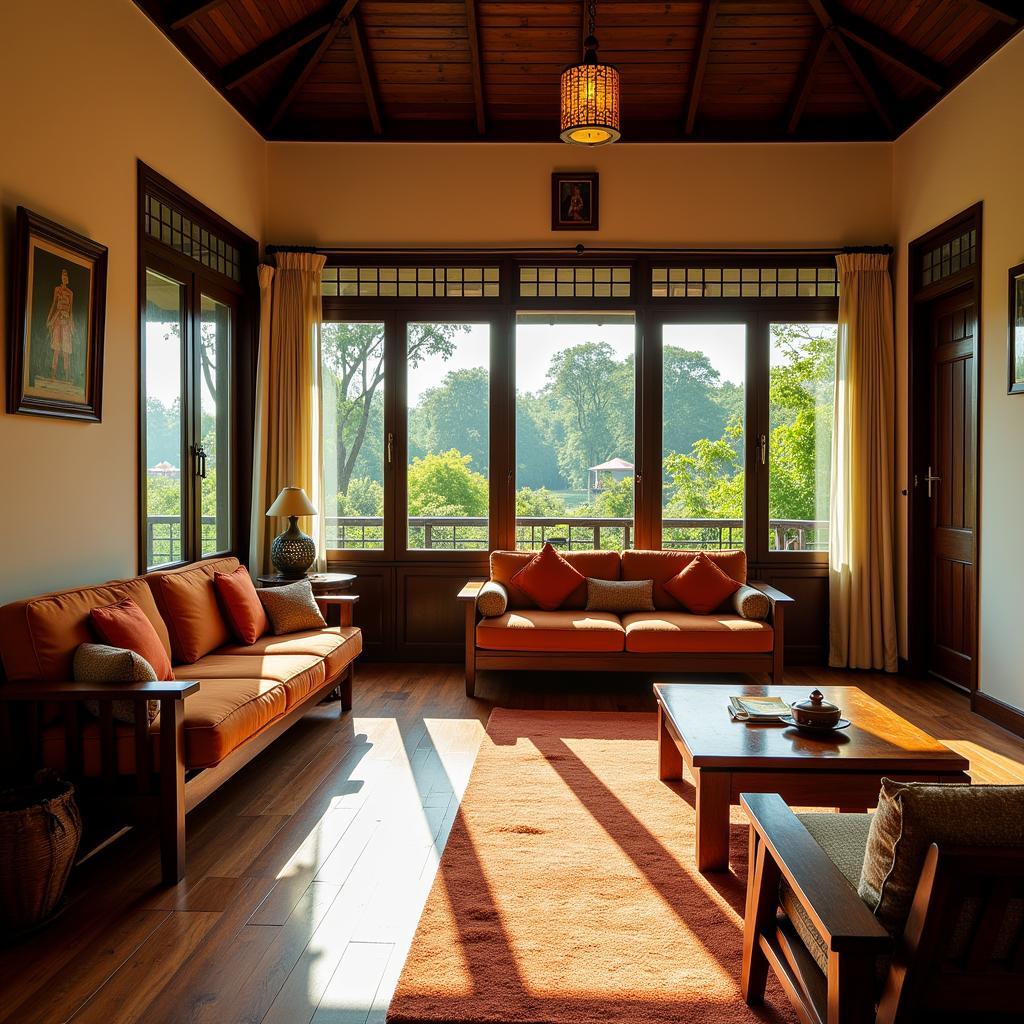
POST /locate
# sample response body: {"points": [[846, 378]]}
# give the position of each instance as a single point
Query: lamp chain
{"points": [[592, 15]]}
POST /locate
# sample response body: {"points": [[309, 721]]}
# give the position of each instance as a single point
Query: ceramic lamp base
{"points": [[292, 552]]}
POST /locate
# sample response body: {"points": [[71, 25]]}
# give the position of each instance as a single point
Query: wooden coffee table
{"points": [[842, 770]]}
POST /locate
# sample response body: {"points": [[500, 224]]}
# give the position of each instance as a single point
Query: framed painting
{"points": [[1016, 322], [58, 309], [573, 201]]}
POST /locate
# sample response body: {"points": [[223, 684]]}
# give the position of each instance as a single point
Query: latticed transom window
{"points": [[951, 256], [412, 282], [177, 230], [572, 282], [743, 282]]}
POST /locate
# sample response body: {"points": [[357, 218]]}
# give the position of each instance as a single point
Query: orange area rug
{"points": [[568, 892]]}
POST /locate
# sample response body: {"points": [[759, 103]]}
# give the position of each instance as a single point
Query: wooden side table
{"points": [[329, 589]]}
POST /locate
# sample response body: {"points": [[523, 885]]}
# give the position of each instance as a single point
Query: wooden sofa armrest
{"points": [[470, 590], [345, 603], [169, 689], [777, 602], [839, 914], [773, 595]]}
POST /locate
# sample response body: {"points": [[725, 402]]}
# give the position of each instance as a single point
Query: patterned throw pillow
{"points": [[547, 579], [701, 586], [913, 815], [751, 603], [291, 608], [98, 663], [491, 600], [620, 596]]}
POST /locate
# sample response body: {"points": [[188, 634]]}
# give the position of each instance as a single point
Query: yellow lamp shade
{"points": [[590, 104], [292, 501]]}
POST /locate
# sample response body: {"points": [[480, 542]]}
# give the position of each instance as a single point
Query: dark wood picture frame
{"points": [[1015, 324], [587, 182], [34, 235]]}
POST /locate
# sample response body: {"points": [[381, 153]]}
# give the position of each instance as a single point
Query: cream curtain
{"points": [[288, 438], [862, 613]]}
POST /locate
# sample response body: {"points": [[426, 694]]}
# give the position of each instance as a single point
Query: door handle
{"points": [[391, 446], [930, 479], [199, 454], [762, 445]]}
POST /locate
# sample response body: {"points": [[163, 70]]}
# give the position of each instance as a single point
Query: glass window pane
{"points": [[703, 410], [164, 500], [448, 383], [801, 389], [215, 424], [352, 363], [574, 430]]}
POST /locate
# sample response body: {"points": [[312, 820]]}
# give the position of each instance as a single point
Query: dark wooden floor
{"points": [[308, 871]]}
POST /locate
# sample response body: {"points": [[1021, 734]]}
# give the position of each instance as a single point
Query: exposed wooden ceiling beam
{"points": [[700, 64], [473, 32], [355, 31], [891, 49], [288, 41], [305, 63], [870, 84], [802, 91], [1004, 10], [186, 13]]}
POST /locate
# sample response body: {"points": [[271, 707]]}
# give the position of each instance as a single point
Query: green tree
{"points": [[442, 484], [707, 482], [454, 415], [365, 497], [541, 503], [696, 403], [539, 434]]}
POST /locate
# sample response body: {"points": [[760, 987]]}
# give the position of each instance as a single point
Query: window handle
{"points": [[199, 454], [762, 445], [391, 446]]}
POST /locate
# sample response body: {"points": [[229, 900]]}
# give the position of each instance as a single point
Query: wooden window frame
{"points": [[243, 299]]}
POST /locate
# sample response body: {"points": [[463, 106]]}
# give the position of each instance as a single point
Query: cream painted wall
{"points": [[969, 148], [651, 195], [88, 88]]}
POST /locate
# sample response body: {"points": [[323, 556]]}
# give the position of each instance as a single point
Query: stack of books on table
{"points": [[758, 709]]}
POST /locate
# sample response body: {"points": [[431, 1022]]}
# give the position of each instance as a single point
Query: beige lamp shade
{"points": [[292, 501]]}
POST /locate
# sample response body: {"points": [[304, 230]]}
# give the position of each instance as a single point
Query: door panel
{"points": [[949, 483]]}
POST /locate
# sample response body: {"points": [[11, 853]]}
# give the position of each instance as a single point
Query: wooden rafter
{"points": [[891, 49], [868, 80], [802, 91], [305, 63], [473, 33], [1004, 10], [288, 41], [355, 31], [185, 13], [700, 64]]}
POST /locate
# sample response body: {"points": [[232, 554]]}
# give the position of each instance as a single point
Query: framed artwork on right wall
{"points": [[1015, 384]]}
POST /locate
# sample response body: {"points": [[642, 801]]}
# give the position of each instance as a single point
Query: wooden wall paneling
{"points": [[807, 618], [375, 610], [431, 622]]}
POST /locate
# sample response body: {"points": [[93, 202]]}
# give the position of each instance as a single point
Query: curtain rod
{"points": [[578, 250]]}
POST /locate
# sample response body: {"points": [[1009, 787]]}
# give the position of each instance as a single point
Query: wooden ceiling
{"points": [[731, 70]]}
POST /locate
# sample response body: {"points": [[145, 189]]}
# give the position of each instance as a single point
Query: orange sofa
{"points": [[224, 706], [668, 639]]}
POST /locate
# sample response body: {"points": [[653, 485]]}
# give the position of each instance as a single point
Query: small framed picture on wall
{"points": [[1016, 340], [573, 201], [58, 306]]}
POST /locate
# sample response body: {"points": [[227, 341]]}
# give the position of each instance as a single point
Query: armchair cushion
{"points": [[843, 837], [491, 600], [701, 586], [548, 579], [620, 596], [751, 603], [913, 815]]}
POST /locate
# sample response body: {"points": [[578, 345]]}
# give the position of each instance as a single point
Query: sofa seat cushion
{"points": [[337, 645], [683, 633], [843, 837], [299, 674], [661, 566], [218, 719], [598, 565], [568, 631]]}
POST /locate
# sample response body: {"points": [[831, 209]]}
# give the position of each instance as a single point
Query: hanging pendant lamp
{"points": [[590, 96]]}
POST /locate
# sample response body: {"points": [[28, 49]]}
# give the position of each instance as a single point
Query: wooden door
{"points": [[949, 482]]}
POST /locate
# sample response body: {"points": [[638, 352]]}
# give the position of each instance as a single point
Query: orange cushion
{"points": [[681, 632], [300, 674], [188, 603], [661, 566], [531, 630], [39, 635], [337, 645], [125, 625], [598, 565], [242, 608], [701, 587], [548, 579]]}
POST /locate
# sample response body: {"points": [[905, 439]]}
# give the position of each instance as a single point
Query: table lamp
{"points": [[292, 551]]}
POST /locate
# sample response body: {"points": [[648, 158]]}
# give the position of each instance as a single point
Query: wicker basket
{"points": [[39, 833]]}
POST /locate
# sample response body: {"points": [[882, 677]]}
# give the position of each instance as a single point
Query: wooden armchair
{"points": [[959, 957]]}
